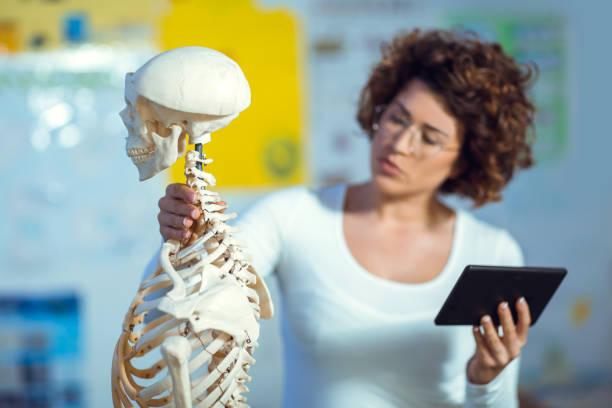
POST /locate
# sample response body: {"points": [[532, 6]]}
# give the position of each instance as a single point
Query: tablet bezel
{"points": [[481, 288]]}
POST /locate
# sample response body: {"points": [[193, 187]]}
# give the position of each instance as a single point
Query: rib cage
{"points": [[218, 361]]}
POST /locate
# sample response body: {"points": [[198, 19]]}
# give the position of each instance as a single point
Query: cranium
{"points": [[185, 91]]}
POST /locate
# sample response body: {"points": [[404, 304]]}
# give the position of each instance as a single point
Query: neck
{"points": [[412, 210]]}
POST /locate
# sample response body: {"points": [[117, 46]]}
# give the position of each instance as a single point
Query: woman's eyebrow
{"points": [[427, 125]]}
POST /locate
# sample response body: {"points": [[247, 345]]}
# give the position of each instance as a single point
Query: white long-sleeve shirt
{"points": [[352, 339]]}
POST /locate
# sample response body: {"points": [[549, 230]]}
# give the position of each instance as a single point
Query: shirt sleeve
{"points": [[260, 231], [264, 226], [502, 391]]}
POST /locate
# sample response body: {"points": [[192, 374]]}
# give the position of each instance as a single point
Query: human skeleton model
{"points": [[190, 331]]}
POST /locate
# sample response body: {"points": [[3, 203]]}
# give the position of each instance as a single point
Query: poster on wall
{"points": [[543, 40], [40, 351]]}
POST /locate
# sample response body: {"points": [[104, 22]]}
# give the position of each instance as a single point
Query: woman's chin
{"points": [[391, 186]]}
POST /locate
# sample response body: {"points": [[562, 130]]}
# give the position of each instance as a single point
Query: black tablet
{"points": [[480, 289]]}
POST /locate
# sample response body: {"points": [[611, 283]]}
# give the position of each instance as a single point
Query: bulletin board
{"points": [[264, 146]]}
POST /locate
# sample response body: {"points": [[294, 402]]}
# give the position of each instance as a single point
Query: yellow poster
{"points": [[263, 146]]}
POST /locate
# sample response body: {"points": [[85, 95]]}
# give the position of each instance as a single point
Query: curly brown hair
{"points": [[482, 87]]}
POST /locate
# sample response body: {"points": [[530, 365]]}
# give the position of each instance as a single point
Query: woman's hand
{"points": [[178, 212], [494, 353]]}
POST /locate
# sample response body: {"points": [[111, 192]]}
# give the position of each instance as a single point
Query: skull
{"points": [[184, 91]]}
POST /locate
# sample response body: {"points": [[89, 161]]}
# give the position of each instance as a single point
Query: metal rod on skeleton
{"points": [[198, 148]]}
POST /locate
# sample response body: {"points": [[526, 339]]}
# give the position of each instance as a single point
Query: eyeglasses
{"points": [[394, 120]]}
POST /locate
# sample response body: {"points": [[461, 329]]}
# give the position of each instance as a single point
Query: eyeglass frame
{"points": [[378, 112]]}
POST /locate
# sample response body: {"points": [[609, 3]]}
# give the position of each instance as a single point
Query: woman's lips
{"points": [[389, 167]]}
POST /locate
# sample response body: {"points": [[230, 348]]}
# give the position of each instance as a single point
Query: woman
{"points": [[363, 269]]}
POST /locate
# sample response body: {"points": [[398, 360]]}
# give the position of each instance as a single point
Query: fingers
{"points": [[493, 352], [172, 226], [495, 346], [481, 343], [174, 221], [524, 319], [178, 207], [176, 214], [173, 233], [489, 346], [509, 339], [483, 353], [506, 348], [181, 192]]}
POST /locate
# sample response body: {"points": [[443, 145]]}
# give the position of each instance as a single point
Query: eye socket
{"points": [[129, 109]]}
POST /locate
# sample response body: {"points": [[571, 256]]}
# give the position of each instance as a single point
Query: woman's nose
{"points": [[406, 140]]}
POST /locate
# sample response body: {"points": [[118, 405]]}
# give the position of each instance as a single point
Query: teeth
{"points": [[140, 154]]}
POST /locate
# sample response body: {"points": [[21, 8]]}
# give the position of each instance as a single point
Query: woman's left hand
{"points": [[494, 353]]}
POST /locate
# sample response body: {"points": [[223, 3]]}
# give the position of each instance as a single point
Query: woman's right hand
{"points": [[178, 212]]}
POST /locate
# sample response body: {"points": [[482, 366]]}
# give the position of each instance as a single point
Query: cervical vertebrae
{"points": [[207, 319], [190, 331]]}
